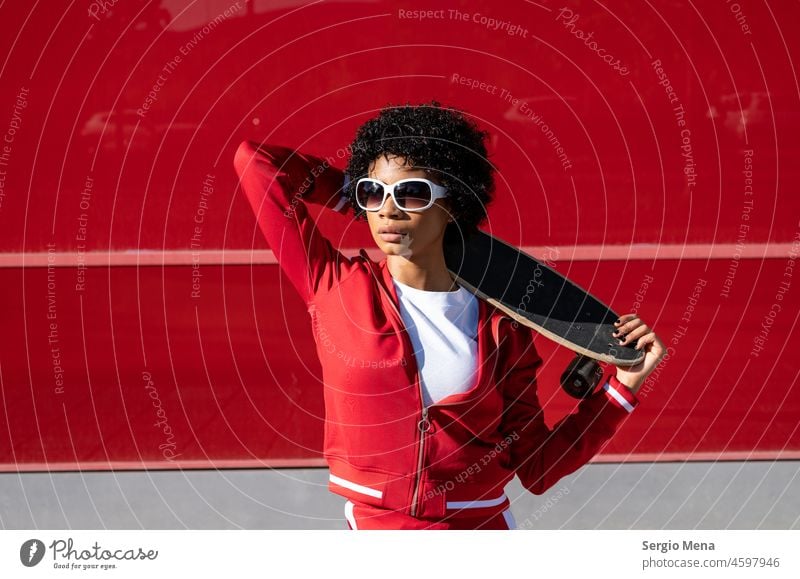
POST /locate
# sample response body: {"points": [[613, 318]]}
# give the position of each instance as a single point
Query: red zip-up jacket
{"points": [[383, 447]]}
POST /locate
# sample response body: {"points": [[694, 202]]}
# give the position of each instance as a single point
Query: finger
{"points": [[624, 318], [634, 334], [630, 325], [658, 348], [644, 340], [627, 328]]}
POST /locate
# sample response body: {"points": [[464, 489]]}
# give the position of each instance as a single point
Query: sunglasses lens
{"points": [[369, 195], [413, 194]]}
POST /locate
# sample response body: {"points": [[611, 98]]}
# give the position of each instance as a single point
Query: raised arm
{"points": [[278, 182], [539, 455]]}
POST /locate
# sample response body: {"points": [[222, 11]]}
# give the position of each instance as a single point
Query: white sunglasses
{"points": [[414, 194]]}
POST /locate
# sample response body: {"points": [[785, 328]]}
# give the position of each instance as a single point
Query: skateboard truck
{"points": [[581, 376]]}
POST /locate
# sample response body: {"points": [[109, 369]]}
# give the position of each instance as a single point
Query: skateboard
{"points": [[537, 296]]}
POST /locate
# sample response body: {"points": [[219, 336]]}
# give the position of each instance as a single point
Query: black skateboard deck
{"points": [[536, 295]]}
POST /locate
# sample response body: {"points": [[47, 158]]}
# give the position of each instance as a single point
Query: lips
{"points": [[391, 234], [390, 230]]}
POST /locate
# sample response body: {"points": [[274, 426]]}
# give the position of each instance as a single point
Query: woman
{"points": [[430, 392]]}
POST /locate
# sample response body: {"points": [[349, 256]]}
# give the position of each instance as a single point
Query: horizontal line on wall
{"points": [[161, 465], [706, 456], [170, 257]]}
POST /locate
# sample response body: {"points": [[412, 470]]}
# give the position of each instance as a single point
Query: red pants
{"points": [[366, 517]]}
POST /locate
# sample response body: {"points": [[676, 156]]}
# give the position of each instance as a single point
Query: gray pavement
{"points": [[697, 495]]}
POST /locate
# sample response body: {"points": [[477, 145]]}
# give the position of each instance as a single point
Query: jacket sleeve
{"points": [[278, 182], [541, 456]]}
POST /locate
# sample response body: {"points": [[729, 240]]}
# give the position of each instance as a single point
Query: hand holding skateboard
{"points": [[631, 328]]}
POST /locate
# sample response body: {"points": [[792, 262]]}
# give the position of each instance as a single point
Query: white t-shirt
{"points": [[443, 327]]}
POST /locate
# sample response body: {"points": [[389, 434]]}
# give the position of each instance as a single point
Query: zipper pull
{"points": [[424, 425]]}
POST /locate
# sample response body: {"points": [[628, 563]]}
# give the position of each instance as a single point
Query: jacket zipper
{"points": [[424, 424]]}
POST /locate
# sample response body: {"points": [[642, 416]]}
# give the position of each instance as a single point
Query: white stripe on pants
{"points": [[348, 514], [512, 524]]}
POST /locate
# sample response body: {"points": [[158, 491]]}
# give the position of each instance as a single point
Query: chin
{"points": [[394, 249]]}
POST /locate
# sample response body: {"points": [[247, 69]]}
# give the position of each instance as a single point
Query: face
{"points": [[421, 232]]}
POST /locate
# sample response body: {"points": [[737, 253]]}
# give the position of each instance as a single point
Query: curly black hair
{"points": [[437, 139]]}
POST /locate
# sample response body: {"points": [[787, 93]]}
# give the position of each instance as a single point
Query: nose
{"points": [[389, 208]]}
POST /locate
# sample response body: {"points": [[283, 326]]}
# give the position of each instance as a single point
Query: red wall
{"points": [[116, 308]]}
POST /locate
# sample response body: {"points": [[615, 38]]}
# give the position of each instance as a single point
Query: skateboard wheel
{"points": [[581, 377]]}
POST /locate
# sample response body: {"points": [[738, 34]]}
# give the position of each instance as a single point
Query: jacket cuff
{"points": [[323, 184], [619, 394], [338, 203], [341, 205]]}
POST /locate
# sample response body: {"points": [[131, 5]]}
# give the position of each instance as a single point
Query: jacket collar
{"points": [[388, 282], [488, 338], [485, 310]]}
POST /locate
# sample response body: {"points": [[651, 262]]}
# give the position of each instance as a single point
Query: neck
{"points": [[427, 272]]}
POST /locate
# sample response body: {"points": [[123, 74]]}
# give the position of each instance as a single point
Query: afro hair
{"points": [[437, 139]]}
